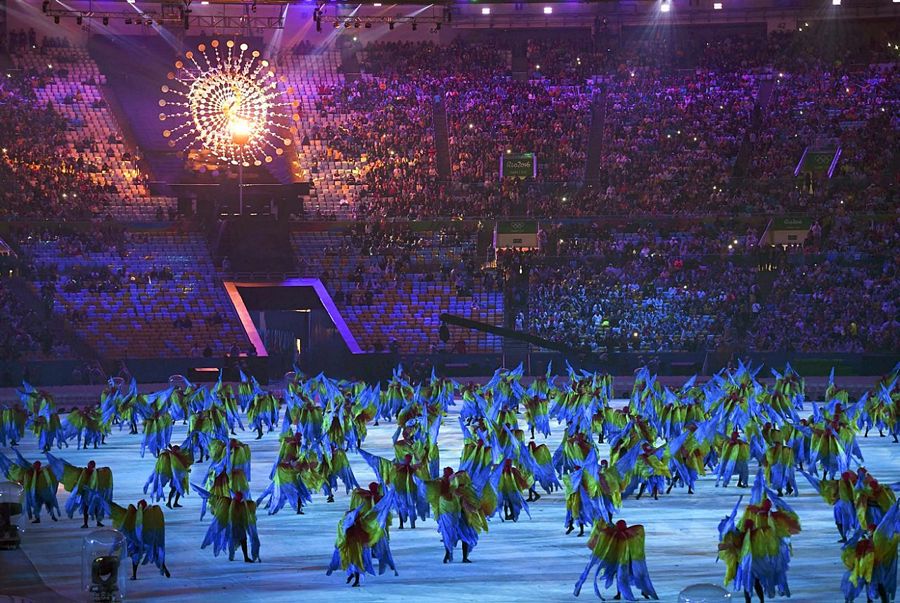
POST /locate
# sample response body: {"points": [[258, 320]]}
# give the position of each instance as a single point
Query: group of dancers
{"points": [[732, 426]]}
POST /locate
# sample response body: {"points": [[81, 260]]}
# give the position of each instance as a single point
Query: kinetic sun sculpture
{"points": [[228, 102]]}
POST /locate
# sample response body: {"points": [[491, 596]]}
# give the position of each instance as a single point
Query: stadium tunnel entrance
{"points": [[296, 323]]}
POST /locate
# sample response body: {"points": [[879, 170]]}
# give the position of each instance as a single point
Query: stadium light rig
{"points": [[435, 18], [229, 103], [174, 13]]}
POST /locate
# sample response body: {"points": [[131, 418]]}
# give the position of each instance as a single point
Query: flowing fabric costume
{"points": [[537, 415], [459, 512], [870, 557], [540, 463], [334, 466], [582, 495], [202, 431], [509, 482], [617, 552], [734, 457], [650, 471], [756, 548], [87, 426], [362, 536], [38, 481], [226, 455], [778, 464], [12, 424], [37, 402], [688, 453], [233, 525], [145, 534], [287, 486], [407, 481], [172, 468], [870, 499], [262, 411], [91, 488], [839, 493], [49, 431], [157, 432]]}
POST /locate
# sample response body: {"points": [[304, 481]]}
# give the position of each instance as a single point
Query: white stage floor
{"points": [[529, 560]]}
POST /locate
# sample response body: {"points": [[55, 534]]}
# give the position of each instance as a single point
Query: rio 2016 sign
{"points": [[518, 165]]}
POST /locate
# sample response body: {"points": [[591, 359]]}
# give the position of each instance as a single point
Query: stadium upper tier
{"points": [[659, 176]]}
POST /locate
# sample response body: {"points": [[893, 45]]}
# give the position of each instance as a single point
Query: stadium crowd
{"points": [[37, 183], [702, 128], [665, 287]]}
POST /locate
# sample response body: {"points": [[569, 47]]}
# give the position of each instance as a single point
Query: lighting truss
{"points": [[177, 14]]}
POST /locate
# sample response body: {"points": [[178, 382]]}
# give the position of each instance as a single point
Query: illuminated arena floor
{"points": [[529, 560]]}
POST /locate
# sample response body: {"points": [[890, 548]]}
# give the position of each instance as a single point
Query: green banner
{"points": [[518, 165], [791, 223], [822, 366], [517, 227], [818, 162]]}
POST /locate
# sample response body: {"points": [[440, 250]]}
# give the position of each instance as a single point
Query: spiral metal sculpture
{"points": [[228, 102]]}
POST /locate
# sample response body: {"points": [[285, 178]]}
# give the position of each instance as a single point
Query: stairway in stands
{"points": [[441, 138], [765, 279], [350, 63], [515, 351], [26, 296], [5, 62], [256, 246], [125, 128], [515, 300], [745, 154], [519, 65], [595, 137], [136, 87]]}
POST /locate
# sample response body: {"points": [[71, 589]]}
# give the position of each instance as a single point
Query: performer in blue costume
{"points": [[458, 510], [756, 548], [38, 481], [363, 535], [172, 468], [407, 481], [617, 551], [144, 528], [90, 488], [233, 525], [287, 486]]}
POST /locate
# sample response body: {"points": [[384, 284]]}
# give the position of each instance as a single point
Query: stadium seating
{"points": [[387, 305], [72, 83], [126, 301]]}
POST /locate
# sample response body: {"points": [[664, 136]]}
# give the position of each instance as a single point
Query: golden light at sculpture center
{"points": [[240, 131], [228, 101]]}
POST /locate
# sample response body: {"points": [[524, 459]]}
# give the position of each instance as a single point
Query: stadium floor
{"points": [[531, 559]]}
